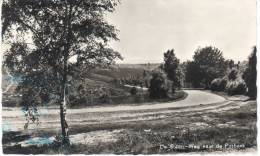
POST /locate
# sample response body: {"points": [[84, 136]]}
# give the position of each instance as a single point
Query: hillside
{"points": [[100, 83], [144, 66]]}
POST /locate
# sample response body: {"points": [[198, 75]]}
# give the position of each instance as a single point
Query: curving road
{"points": [[196, 100], [195, 97]]}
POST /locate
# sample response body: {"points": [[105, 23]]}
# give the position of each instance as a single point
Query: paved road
{"points": [[197, 100]]}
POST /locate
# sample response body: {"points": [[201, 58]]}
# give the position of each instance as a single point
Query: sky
{"points": [[148, 28]]}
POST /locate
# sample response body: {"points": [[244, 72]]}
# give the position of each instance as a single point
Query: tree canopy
{"points": [[54, 41], [170, 66], [208, 63], [250, 74]]}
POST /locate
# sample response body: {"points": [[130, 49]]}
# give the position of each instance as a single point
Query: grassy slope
{"points": [[100, 78]]}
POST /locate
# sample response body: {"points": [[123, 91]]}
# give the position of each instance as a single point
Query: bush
{"points": [[233, 74], [105, 98], [236, 87], [133, 91], [218, 84], [158, 86]]}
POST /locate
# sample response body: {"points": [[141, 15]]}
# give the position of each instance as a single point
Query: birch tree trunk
{"points": [[63, 107], [63, 111]]}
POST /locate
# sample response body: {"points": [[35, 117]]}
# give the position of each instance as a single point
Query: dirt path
{"points": [[49, 118], [195, 97]]}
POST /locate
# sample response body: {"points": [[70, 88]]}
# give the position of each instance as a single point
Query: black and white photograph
{"points": [[129, 77]]}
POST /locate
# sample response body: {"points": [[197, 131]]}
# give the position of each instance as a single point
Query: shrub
{"points": [[208, 63], [233, 74], [236, 87], [105, 98], [218, 84], [133, 91], [158, 86]]}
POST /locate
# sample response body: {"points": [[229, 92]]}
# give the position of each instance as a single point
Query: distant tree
{"points": [[145, 79], [192, 74], [233, 74], [68, 38], [144, 74], [208, 64], [158, 85], [182, 73], [230, 63], [115, 81], [238, 65], [170, 66], [250, 74], [180, 76], [133, 91]]}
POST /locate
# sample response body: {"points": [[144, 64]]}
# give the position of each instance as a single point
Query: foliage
{"points": [[120, 72], [218, 84], [170, 66], [208, 63], [130, 76], [105, 98], [230, 63], [192, 73], [233, 74], [66, 39], [135, 81], [250, 75], [133, 91], [159, 86], [236, 87]]}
